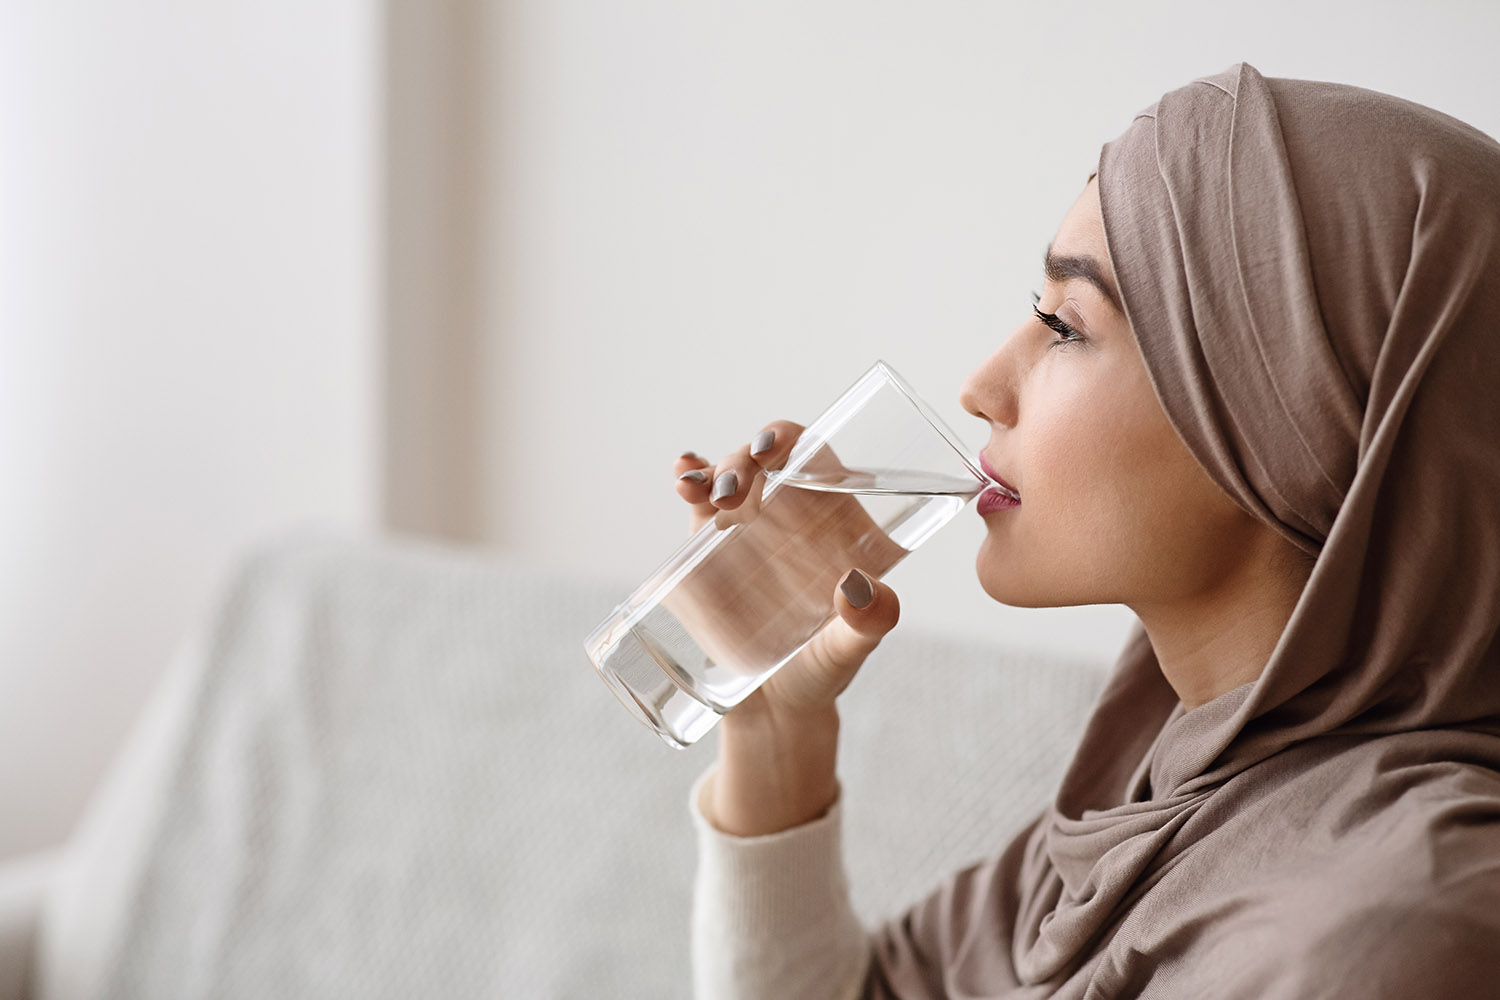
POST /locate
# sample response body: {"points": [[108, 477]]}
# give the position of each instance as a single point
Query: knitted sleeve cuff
{"points": [[772, 914]]}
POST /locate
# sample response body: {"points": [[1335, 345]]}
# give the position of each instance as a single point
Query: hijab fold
{"points": [[1312, 274]]}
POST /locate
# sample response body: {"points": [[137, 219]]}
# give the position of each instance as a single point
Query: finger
{"points": [[771, 447], [688, 461], [694, 481], [733, 479], [738, 475], [694, 477]]}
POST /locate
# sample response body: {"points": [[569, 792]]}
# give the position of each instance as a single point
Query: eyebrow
{"points": [[1059, 269]]}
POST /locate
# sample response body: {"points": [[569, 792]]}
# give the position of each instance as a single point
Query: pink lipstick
{"points": [[992, 500], [998, 497]]}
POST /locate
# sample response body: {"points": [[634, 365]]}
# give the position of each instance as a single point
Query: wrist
{"points": [[775, 773]]}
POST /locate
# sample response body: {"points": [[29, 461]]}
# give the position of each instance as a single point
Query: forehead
{"points": [[1079, 251], [1082, 229]]}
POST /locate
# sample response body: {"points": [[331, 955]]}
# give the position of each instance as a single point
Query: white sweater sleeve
{"points": [[771, 914]]}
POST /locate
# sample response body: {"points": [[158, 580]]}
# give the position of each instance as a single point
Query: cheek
{"points": [[1146, 522], [1085, 454], [1116, 490]]}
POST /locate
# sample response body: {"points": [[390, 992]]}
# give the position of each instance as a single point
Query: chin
{"points": [[1006, 587], [1008, 583]]}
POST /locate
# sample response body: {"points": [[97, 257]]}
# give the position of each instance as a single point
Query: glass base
{"points": [[646, 686]]}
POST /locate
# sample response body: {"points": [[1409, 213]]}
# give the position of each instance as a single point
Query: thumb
{"points": [[870, 608], [867, 610]]}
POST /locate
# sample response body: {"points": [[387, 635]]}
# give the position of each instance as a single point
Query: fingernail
{"points": [[725, 485], [762, 442], [689, 454], [697, 476], [857, 589]]}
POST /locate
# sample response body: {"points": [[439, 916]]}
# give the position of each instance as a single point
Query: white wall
{"points": [[701, 217], [187, 341]]}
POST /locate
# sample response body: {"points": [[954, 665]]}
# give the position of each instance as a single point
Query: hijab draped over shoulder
{"points": [[1312, 273]]}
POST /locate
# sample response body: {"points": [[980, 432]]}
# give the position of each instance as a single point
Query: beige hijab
{"points": [[1313, 274]]}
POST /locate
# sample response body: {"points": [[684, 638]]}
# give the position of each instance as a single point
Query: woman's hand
{"points": [[802, 549]]}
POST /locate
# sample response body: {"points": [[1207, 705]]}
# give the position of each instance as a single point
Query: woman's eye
{"points": [[1066, 334]]}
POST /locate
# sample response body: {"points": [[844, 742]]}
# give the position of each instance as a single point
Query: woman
{"points": [[1259, 403]]}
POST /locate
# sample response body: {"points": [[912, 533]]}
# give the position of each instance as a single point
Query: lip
{"points": [[989, 470], [992, 500]]}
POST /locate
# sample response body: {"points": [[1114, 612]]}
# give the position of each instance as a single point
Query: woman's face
{"points": [[1114, 508]]}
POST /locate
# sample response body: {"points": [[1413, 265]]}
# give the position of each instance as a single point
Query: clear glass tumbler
{"points": [[867, 482]]}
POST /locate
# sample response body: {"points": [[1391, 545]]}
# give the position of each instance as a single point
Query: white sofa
{"points": [[385, 768]]}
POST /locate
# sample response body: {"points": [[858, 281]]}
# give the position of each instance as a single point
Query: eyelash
{"points": [[1068, 334]]}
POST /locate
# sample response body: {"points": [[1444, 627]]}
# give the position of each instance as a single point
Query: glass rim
{"points": [[931, 416]]}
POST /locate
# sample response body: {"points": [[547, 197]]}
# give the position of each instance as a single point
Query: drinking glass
{"points": [[872, 478]]}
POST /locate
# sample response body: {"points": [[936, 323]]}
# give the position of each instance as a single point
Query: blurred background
{"points": [[480, 272]]}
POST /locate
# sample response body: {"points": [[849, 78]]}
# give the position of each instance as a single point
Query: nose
{"points": [[990, 391]]}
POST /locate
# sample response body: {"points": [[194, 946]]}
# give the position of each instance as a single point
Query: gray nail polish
{"points": [[697, 476], [725, 485], [857, 589], [762, 442]]}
